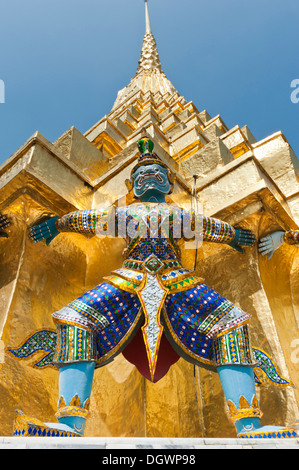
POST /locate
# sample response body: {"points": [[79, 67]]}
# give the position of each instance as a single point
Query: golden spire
{"points": [[149, 59], [148, 29], [149, 75]]}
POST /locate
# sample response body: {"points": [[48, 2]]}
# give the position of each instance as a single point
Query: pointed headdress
{"points": [[147, 156]]}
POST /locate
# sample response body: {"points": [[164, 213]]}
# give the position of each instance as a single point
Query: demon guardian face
{"points": [[150, 180]]}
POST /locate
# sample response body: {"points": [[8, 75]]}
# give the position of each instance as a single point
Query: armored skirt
{"points": [[194, 322]]}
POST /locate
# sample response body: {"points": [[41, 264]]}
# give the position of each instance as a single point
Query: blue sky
{"points": [[63, 61]]}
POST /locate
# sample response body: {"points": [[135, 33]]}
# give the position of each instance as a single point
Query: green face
{"points": [[151, 181]]}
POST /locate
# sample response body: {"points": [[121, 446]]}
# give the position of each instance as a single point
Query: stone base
{"points": [[163, 444]]}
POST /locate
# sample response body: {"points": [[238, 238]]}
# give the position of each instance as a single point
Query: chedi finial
{"points": [[149, 59], [148, 29]]}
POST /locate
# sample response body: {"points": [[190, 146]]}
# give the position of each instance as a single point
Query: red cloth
{"points": [[135, 353]]}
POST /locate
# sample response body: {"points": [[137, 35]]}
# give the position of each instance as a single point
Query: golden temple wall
{"points": [[240, 181]]}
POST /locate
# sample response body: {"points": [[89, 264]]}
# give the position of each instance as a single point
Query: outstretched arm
{"points": [[84, 222], [217, 231], [272, 242]]}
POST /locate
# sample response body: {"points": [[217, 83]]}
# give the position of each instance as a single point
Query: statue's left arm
{"points": [[217, 231]]}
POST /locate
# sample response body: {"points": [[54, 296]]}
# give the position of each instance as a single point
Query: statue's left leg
{"points": [[232, 355], [91, 331], [239, 389], [75, 385]]}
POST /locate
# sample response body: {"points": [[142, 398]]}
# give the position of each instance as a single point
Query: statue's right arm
{"points": [[84, 222]]}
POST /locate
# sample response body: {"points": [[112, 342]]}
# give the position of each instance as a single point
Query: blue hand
{"points": [[45, 231], [242, 238], [269, 244]]}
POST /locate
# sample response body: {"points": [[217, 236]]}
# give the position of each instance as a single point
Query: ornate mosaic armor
{"points": [[152, 289]]}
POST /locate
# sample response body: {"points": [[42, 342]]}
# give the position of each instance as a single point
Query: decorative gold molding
{"points": [[74, 409], [245, 410]]}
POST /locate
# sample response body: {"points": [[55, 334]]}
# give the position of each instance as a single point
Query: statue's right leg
{"points": [[75, 358], [91, 331], [76, 366]]}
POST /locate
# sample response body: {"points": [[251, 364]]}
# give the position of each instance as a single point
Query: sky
{"points": [[63, 61]]}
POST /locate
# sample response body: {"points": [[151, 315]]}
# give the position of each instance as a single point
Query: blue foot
{"points": [[272, 432], [26, 426], [61, 427]]}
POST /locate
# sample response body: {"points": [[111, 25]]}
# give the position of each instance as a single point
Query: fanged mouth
{"points": [[150, 176]]}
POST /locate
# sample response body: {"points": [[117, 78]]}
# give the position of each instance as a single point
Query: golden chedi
{"points": [[245, 183]]}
